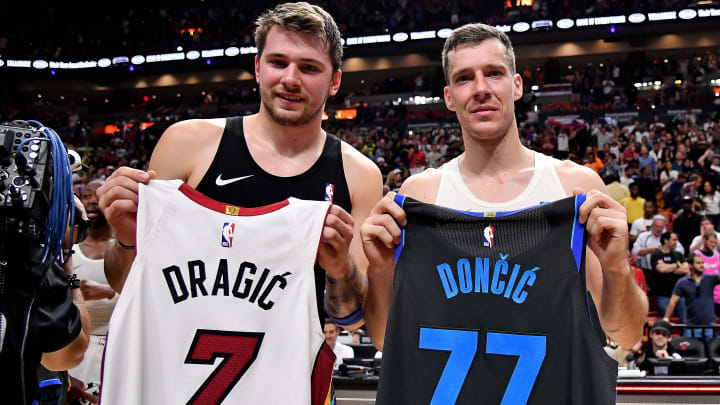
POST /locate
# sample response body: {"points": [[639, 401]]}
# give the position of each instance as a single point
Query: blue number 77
{"points": [[462, 346]]}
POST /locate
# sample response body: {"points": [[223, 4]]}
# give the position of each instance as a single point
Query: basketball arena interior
{"points": [[630, 89]]}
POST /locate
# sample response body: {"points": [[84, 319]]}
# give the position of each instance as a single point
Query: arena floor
{"points": [[362, 397], [653, 390]]}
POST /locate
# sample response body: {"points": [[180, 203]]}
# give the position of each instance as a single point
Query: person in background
{"points": [[643, 224], [633, 204], [667, 268], [342, 351], [639, 275], [617, 190], [100, 298], [658, 348], [697, 290]]}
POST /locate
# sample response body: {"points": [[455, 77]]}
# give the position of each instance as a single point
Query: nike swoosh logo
{"points": [[220, 182]]}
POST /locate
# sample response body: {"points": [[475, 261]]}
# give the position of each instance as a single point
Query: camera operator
{"points": [[56, 333]]}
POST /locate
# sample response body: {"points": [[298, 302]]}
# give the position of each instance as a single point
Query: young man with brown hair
{"points": [[280, 152]]}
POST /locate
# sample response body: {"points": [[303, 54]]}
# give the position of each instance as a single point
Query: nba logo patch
{"points": [[228, 231], [329, 191], [489, 236]]}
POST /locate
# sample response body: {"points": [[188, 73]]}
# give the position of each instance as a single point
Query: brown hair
{"points": [[474, 34], [305, 18]]}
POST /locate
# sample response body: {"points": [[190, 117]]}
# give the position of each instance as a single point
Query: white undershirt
{"points": [[544, 186]]}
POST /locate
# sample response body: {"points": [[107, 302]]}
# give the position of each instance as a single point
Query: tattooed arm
{"points": [[345, 288], [343, 296]]}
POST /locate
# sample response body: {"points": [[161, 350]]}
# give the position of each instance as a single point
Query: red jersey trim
{"points": [[228, 209], [321, 380]]}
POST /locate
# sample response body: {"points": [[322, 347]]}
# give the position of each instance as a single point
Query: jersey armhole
{"points": [[400, 200], [577, 238]]}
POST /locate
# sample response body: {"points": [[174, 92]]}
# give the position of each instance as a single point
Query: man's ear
{"points": [[257, 69], [517, 86], [335, 83], [449, 103]]}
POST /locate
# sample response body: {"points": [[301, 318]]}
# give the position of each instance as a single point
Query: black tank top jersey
{"points": [[493, 309], [235, 178]]}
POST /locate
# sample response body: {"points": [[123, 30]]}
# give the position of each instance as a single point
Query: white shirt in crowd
{"points": [[342, 351]]}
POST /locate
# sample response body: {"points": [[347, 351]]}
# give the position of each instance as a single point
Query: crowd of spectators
{"points": [[60, 32]]}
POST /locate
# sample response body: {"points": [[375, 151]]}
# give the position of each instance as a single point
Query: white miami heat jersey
{"points": [[219, 305]]}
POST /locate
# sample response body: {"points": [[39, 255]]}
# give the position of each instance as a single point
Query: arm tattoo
{"points": [[345, 295]]}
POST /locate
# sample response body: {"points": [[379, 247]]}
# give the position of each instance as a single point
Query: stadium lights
{"points": [[19, 63], [637, 18], [212, 53], [40, 64], [663, 16], [565, 23], [519, 28], [232, 51], [400, 37], [444, 33], [687, 14], [422, 35]]}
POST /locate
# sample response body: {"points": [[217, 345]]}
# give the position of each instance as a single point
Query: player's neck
{"points": [[493, 157], [284, 138]]}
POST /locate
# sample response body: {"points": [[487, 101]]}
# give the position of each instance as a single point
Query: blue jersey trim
{"points": [[52, 381], [400, 200], [576, 240], [348, 320]]}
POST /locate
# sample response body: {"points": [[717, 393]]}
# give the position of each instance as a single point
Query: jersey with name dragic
{"points": [[219, 305], [492, 308]]}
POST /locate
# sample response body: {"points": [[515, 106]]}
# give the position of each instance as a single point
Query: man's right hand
{"points": [[662, 354], [381, 233], [118, 200]]}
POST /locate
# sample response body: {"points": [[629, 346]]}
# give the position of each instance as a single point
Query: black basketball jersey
{"points": [[235, 178], [493, 309]]}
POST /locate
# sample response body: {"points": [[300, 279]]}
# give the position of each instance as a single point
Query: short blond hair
{"points": [[305, 18], [470, 34]]}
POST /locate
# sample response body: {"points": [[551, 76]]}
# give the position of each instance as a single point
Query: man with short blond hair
{"points": [[495, 173]]}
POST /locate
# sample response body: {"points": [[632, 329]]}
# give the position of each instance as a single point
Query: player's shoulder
{"points": [[573, 175], [199, 130], [423, 186]]}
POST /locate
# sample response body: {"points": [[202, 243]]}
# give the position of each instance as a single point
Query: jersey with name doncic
{"points": [[492, 308], [219, 305]]}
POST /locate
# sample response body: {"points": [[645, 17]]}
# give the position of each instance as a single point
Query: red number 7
{"points": [[239, 350]]}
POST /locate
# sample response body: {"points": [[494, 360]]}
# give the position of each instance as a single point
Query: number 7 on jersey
{"points": [[238, 349], [462, 345]]}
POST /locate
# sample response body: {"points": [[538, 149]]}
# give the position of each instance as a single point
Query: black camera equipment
{"points": [[36, 201], [25, 182]]}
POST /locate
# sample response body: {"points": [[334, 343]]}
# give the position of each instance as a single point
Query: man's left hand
{"points": [[337, 234]]}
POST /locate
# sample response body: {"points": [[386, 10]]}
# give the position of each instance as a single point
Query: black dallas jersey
{"points": [[493, 309], [235, 178]]}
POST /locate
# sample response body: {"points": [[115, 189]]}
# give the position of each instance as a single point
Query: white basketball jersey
{"points": [[219, 305]]}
